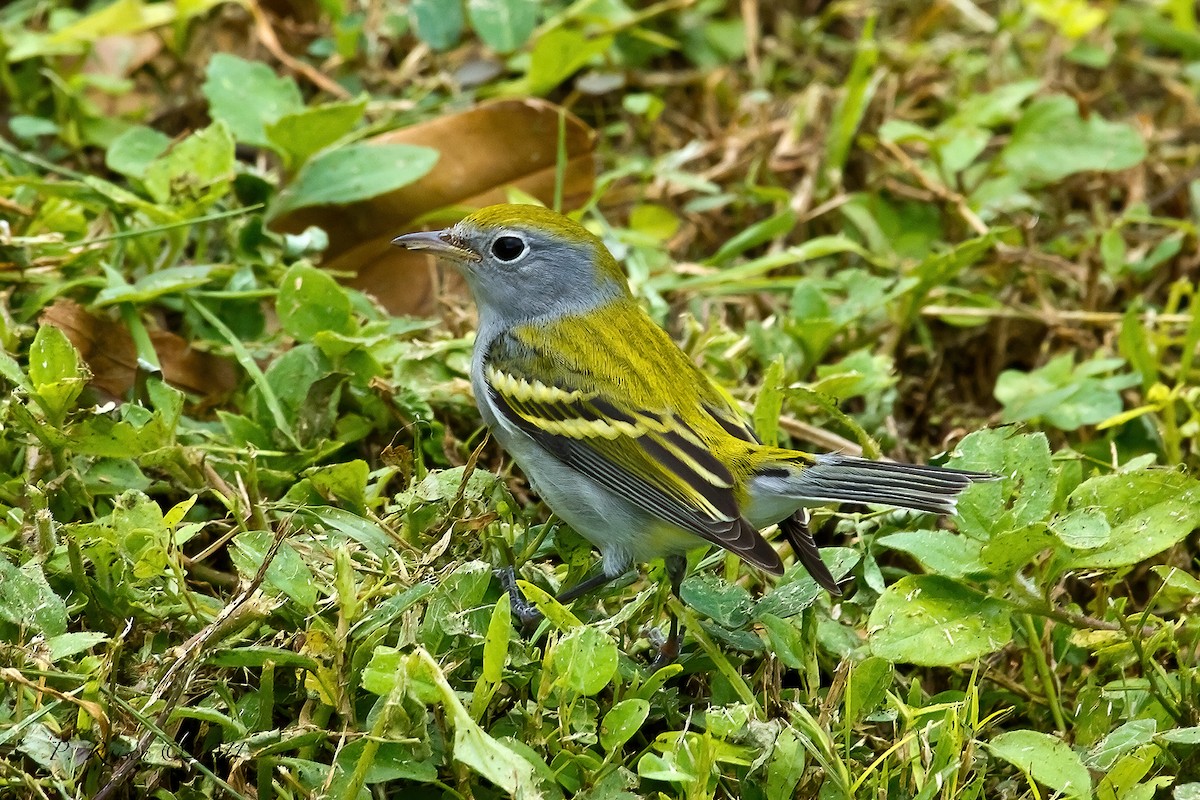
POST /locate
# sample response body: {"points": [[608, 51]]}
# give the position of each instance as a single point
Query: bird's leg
{"points": [[526, 612], [668, 651]]}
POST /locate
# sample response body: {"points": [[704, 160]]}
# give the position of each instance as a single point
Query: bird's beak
{"points": [[439, 243]]}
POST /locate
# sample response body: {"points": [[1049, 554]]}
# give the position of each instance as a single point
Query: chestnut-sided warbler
{"points": [[618, 431]]}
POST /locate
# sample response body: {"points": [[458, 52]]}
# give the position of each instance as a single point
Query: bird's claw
{"points": [[667, 646]]}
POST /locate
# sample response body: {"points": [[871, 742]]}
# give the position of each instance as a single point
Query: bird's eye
{"points": [[508, 248]]}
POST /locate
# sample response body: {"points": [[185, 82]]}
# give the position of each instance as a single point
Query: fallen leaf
{"points": [[108, 349]]}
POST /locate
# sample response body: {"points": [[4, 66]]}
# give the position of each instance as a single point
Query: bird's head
{"points": [[526, 262]]}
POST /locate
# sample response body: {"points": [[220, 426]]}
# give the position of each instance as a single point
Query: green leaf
{"points": [[287, 572], [1063, 394], [353, 173], [1148, 511], [1127, 737], [172, 280], [73, 643], [1046, 759], [1026, 475], [55, 371], [585, 660], [198, 169], [472, 745], [503, 25], [622, 721], [438, 23], [786, 767], [1083, 528], [1052, 141], [727, 604], [869, 683], [769, 406], [133, 151], [310, 301], [302, 133], [797, 590], [941, 552], [247, 95], [558, 54], [26, 600], [785, 640], [934, 621], [757, 234]]}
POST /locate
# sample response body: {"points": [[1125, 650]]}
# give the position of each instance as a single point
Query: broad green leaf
{"points": [[472, 745], [353, 173], [133, 151], [26, 600], [797, 590], [1052, 140], [1148, 511], [1008, 551], [585, 660], [727, 604], [1046, 759], [385, 761], [503, 25], [310, 301], [1065, 395], [1129, 736], [786, 767], [1082, 528], [870, 680], [623, 721], [784, 640], [663, 768], [57, 375], [438, 23], [196, 170], [934, 621], [73, 643], [247, 95], [994, 108], [300, 134], [353, 526], [53, 360], [939, 551], [1027, 476], [558, 54], [287, 572]]}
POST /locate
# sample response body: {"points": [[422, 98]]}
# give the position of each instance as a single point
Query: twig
{"points": [[954, 198], [1052, 317], [266, 34]]}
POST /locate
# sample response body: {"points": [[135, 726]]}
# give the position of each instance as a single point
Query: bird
{"points": [[622, 435]]}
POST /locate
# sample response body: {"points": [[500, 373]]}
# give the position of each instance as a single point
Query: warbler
{"points": [[621, 434]]}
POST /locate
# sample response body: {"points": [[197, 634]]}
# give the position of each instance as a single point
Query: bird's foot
{"points": [[668, 647], [525, 612]]}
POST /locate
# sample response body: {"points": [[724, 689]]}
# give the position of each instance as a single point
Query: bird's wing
{"points": [[648, 456]]}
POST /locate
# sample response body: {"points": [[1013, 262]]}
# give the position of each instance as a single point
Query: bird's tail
{"points": [[834, 478]]}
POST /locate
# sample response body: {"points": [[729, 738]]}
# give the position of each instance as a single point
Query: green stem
{"points": [[1043, 669]]}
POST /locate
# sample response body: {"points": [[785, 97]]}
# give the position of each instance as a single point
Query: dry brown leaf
{"points": [[107, 348], [483, 151]]}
